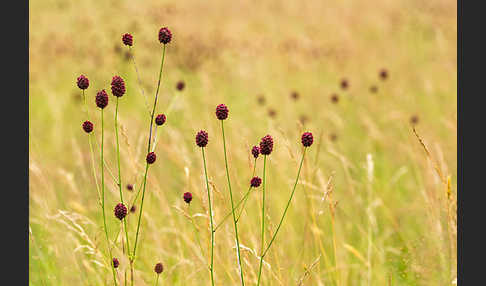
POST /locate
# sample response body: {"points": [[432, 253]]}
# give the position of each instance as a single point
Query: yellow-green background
{"points": [[393, 225]]}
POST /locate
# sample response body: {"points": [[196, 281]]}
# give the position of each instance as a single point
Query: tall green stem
{"points": [[146, 167], [232, 208], [119, 173], [103, 198], [263, 219], [285, 211], [157, 280], [155, 102], [210, 216]]}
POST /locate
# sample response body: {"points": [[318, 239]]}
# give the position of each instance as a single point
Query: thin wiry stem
{"points": [[231, 212], [103, 198], [147, 166], [91, 150], [232, 207], [157, 280], [210, 216], [287, 207], [263, 220], [155, 102], [119, 173], [243, 200]]}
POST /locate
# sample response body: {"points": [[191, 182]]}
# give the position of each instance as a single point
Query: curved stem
{"points": [[288, 204], [210, 215], [103, 199], [91, 150], [140, 213], [232, 207], [119, 174], [243, 200], [155, 102], [263, 219]]}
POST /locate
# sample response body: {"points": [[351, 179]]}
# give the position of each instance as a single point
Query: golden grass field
{"points": [[371, 207]]}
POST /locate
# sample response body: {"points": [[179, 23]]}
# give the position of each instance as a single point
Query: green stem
{"points": [[103, 199], [138, 78], [288, 204], [157, 280], [140, 212], [232, 207], [91, 150], [119, 173], [155, 102], [263, 219], [210, 216], [243, 200], [147, 166]]}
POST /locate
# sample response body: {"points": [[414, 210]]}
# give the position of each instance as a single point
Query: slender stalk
{"points": [[210, 216], [288, 204], [146, 166], [103, 198], [91, 149], [119, 174], [243, 200], [263, 220], [232, 207], [155, 102], [285, 211], [157, 280]]}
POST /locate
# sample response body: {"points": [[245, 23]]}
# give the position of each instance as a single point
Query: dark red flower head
{"points": [[151, 157], [88, 126], [130, 187], [383, 74], [117, 86], [307, 139], [255, 182], [255, 151], [221, 112], [160, 119], [344, 83], [334, 98], [414, 119], [158, 268], [127, 39], [202, 138], [261, 99], [83, 82], [266, 145], [187, 197], [180, 85], [373, 89], [294, 95], [101, 99], [115, 262], [133, 209], [165, 35], [120, 211]]}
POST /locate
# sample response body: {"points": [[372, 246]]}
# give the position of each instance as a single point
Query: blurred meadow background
{"points": [[371, 208]]}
